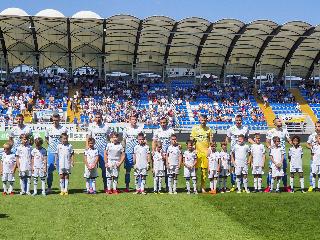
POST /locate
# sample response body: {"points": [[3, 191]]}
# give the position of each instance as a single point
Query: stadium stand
{"points": [[280, 99], [46, 43], [311, 93]]}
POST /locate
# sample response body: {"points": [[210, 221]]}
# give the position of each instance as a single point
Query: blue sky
{"points": [[280, 11]]}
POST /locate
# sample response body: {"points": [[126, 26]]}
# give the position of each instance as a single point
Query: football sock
{"points": [[245, 183], [109, 184], [291, 182], [259, 183], [66, 183], [35, 185], [115, 183], [188, 185], [302, 183]]}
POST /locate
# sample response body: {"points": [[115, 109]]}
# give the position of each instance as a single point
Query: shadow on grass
{"points": [[282, 216], [4, 215]]}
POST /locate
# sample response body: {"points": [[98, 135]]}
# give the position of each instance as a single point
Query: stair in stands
{"points": [[304, 106], [268, 112], [70, 114]]}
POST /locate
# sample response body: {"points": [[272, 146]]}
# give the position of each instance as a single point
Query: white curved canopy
{"points": [[120, 42], [14, 12], [86, 14], [50, 13]]}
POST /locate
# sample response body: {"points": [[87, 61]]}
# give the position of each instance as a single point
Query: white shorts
{"points": [[315, 169], [224, 172], [187, 172], [257, 170], [64, 171], [241, 170], [38, 172], [8, 177], [26, 173], [140, 172], [173, 170], [277, 172], [159, 173], [93, 173], [213, 174], [112, 172], [294, 169]]}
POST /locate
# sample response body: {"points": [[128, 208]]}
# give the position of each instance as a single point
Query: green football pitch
{"points": [[182, 216]]}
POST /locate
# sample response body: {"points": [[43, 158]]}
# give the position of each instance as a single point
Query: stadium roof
{"points": [[227, 46]]}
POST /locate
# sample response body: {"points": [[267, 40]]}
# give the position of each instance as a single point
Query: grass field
{"points": [[182, 216]]}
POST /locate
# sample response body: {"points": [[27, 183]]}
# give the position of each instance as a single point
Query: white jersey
{"points": [[100, 133], [316, 154], [91, 155], [130, 136], [241, 153], [190, 157], [312, 138], [38, 158], [174, 154], [158, 161], [64, 153], [141, 153], [296, 156], [257, 151], [233, 133], [8, 162], [163, 136], [213, 158], [114, 151], [24, 154], [225, 160], [54, 134], [16, 132], [276, 153], [282, 133]]}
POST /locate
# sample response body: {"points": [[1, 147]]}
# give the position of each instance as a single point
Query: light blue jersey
{"points": [[100, 133], [15, 134], [130, 136], [53, 134]]}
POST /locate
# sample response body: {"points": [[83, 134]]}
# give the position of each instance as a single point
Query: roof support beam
{"points": [[263, 47], [69, 47], [103, 48], [4, 50], [202, 42], [170, 38], [136, 47], [311, 69], [35, 43], [231, 47], [295, 46]]}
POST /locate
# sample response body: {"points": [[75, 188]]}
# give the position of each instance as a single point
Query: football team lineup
{"points": [[198, 160]]}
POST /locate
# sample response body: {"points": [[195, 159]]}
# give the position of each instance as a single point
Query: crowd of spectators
{"points": [[312, 90], [275, 92]]}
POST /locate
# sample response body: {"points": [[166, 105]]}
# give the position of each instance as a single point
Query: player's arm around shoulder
{"points": [[71, 156], [85, 159], [180, 160], [148, 157], [250, 158], [134, 156], [249, 153], [122, 157], [18, 158], [290, 154], [32, 162], [106, 156], [1, 166], [196, 160]]}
